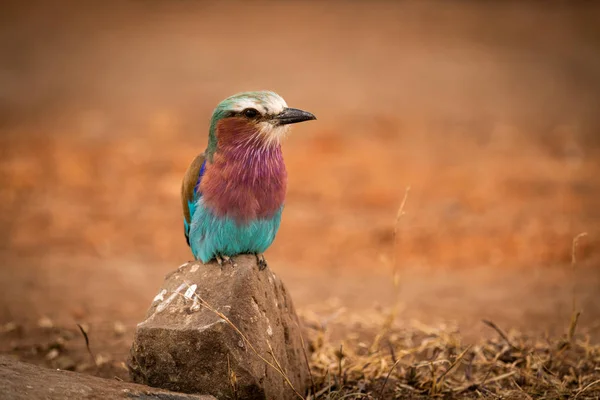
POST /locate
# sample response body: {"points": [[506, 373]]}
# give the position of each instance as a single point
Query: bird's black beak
{"points": [[292, 116]]}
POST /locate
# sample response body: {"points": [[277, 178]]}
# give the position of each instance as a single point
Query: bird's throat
{"points": [[246, 179]]}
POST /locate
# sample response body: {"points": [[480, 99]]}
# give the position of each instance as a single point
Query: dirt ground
{"points": [[489, 113]]}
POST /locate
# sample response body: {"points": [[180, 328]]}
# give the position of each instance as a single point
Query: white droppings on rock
{"points": [[160, 296], [208, 326], [196, 306], [241, 343], [182, 265], [190, 291], [269, 331], [168, 301], [194, 268]]}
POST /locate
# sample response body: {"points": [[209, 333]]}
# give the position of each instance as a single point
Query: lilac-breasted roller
{"points": [[233, 193]]}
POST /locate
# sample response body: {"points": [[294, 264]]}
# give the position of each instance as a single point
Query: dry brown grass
{"points": [[427, 361], [383, 360]]}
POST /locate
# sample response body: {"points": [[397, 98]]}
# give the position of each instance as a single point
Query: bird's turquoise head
{"points": [[263, 116]]}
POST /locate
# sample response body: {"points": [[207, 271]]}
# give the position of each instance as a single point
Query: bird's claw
{"points": [[260, 260], [229, 260], [221, 259]]}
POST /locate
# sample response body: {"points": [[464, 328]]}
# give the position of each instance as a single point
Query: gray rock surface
{"points": [[22, 381], [185, 347]]}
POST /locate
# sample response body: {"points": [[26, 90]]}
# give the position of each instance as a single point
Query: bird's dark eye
{"points": [[250, 113]]}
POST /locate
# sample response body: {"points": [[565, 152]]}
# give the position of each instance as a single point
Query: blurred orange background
{"points": [[487, 111]]}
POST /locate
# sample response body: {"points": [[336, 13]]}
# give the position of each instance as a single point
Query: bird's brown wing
{"points": [[190, 191]]}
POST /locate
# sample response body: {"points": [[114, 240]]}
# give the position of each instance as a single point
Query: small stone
{"points": [[9, 327], [45, 323], [102, 359], [68, 335], [65, 363], [119, 328], [59, 343], [52, 354], [198, 352]]}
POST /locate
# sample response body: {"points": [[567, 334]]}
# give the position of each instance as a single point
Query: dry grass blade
{"points": [[87, 344], [453, 365], [573, 326], [500, 332], [310, 374], [232, 378], [340, 368], [395, 275], [282, 371], [399, 215], [387, 377], [575, 313], [574, 247], [585, 389], [500, 377]]}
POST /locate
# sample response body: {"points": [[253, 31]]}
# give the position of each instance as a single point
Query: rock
{"points": [[21, 381], [65, 363], [184, 346]]}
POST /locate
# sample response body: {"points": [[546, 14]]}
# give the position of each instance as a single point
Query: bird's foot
{"points": [[222, 259], [260, 260], [229, 260]]}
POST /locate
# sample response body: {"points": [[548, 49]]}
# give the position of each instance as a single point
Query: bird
{"points": [[233, 193]]}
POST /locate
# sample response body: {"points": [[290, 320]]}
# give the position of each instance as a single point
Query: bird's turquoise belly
{"points": [[211, 235]]}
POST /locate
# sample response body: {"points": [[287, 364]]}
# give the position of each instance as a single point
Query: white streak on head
{"points": [[265, 102]]}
